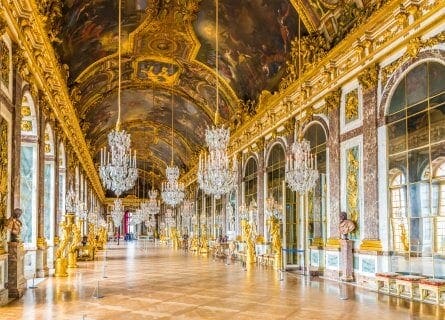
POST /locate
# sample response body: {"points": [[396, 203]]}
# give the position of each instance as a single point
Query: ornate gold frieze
{"points": [[3, 178]]}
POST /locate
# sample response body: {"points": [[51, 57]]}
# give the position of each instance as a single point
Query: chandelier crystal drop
{"points": [[117, 212], [301, 167], [172, 190]]}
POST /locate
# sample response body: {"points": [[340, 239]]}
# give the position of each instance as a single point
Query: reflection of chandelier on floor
{"points": [[215, 175], [118, 168], [117, 213]]}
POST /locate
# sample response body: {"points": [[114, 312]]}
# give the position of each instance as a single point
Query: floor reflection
{"points": [[159, 283]]}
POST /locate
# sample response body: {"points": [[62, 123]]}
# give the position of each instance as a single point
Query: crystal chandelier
{"points": [[137, 217], [187, 208], [117, 212], [301, 167], [81, 210], [118, 170], [215, 175], [172, 190], [153, 206]]}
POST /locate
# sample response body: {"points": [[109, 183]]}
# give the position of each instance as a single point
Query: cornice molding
{"points": [[24, 19]]}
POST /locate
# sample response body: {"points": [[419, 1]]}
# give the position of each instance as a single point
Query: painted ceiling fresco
{"points": [[254, 41], [169, 46]]}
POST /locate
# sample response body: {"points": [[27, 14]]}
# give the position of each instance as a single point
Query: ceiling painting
{"points": [[251, 55]]}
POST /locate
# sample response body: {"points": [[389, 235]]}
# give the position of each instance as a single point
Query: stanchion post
{"points": [[33, 286], [96, 293]]}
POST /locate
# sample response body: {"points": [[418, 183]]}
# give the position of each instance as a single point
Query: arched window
{"points": [[275, 172], [28, 171], [250, 181], [416, 140], [316, 136], [62, 181], [49, 193], [438, 204]]}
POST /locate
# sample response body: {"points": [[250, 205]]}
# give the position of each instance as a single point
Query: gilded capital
{"points": [[369, 77], [332, 100]]}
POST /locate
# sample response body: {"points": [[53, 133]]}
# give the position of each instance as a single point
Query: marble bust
{"points": [[14, 225], [345, 226]]}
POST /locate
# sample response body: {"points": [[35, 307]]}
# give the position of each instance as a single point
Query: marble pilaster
{"points": [[333, 146], [16, 140], [41, 252], [260, 192], [370, 229]]}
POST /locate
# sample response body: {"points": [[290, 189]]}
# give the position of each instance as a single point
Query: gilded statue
{"points": [[14, 225], [72, 250], [345, 226], [275, 234], [404, 238], [175, 238], [249, 241], [63, 244], [204, 243]]}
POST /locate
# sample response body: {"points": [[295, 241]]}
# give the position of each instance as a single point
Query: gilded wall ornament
{"points": [[5, 60], [332, 100], [351, 106], [369, 77], [352, 186], [3, 176]]}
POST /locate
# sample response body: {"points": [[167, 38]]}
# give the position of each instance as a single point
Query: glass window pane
{"points": [[419, 165], [398, 98], [416, 85], [418, 130], [437, 100], [397, 137], [419, 199], [417, 108], [437, 124], [436, 77]]}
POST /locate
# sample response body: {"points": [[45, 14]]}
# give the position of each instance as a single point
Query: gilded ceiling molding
{"points": [[26, 23], [305, 14]]}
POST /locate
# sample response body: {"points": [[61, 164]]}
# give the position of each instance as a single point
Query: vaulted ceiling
{"points": [[168, 65]]}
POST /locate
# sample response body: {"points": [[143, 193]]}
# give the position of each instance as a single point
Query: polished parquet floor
{"points": [[149, 282]]}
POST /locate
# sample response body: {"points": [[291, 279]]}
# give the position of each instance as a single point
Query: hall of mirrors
{"points": [[368, 94]]}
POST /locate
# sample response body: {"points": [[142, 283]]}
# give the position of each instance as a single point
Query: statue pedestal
{"points": [[347, 267], [16, 279]]}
